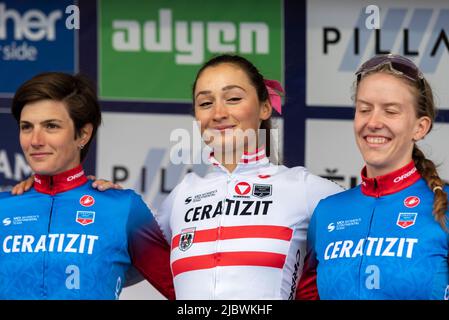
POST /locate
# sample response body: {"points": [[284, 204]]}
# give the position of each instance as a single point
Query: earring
{"points": [[81, 146]]}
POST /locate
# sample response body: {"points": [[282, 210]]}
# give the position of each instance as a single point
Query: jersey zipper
{"points": [[44, 274], [362, 260], [217, 247]]}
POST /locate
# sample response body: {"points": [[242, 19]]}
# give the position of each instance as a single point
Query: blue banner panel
{"points": [[13, 167], [35, 37]]}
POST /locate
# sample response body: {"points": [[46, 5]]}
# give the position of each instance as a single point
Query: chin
{"points": [[43, 170]]}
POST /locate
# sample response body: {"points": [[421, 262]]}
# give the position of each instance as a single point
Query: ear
{"points": [[265, 110], [422, 127], [85, 134]]}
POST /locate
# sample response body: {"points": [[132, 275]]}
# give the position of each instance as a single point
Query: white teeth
{"points": [[376, 140]]}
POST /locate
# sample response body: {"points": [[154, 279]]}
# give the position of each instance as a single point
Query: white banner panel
{"points": [[331, 150], [134, 150], [342, 34]]}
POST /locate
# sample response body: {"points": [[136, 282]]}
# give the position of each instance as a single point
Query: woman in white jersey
{"points": [[240, 231]]}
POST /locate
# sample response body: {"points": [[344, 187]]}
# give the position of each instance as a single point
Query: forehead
{"points": [[385, 86], [43, 110], [222, 75]]}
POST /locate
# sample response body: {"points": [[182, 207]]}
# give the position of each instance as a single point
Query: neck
{"points": [[64, 181], [390, 182], [376, 171], [229, 160]]}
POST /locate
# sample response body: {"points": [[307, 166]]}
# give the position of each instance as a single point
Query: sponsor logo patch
{"points": [[85, 217], [411, 202], [19, 220], [343, 224], [242, 188], [87, 201], [406, 219], [262, 190], [200, 197]]}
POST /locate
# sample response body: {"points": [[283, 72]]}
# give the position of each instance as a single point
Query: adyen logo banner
{"points": [[341, 36], [151, 50], [33, 39]]}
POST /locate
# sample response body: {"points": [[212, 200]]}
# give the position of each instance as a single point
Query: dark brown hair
{"points": [[75, 91]]}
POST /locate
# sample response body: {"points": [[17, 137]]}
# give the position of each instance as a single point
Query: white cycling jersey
{"points": [[241, 235]]}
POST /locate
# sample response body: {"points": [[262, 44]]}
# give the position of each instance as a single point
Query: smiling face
{"points": [[47, 137], [385, 123], [226, 103]]}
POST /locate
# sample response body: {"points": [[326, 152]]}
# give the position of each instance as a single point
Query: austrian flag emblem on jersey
{"points": [[406, 219], [186, 239], [85, 217]]}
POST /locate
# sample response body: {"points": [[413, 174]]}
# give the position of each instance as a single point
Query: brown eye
{"points": [[24, 127], [51, 126], [205, 104]]}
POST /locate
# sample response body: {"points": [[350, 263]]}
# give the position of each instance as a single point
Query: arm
{"points": [[150, 252], [307, 286], [317, 189]]}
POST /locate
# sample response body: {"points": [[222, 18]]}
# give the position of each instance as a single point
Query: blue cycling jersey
{"points": [[66, 240], [377, 241]]}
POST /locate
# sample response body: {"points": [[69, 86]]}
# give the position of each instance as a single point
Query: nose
{"points": [[37, 138], [220, 111], [375, 120]]}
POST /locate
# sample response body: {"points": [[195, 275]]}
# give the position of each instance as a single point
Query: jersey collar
{"points": [[60, 182], [248, 161], [390, 183]]}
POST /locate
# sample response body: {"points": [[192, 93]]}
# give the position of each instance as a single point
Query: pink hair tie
{"points": [[274, 88]]}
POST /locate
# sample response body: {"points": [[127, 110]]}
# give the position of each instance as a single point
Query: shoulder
{"points": [[343, 197], [5, 194], [188, 183], [30, 194], [313, 181], [114, 197], [294, 174], [190, 178], [446, 187], [112, 193]]}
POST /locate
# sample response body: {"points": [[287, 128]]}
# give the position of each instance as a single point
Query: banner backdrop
{"points": [[343, 34], [13, 166], [159, 45], [34, 38]]}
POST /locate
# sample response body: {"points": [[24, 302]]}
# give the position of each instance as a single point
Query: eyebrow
{"points": [[43, 122], [383, 104], [232, 86]]}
